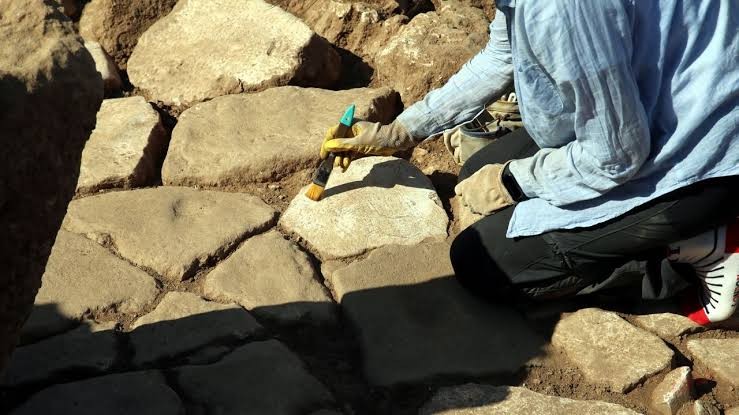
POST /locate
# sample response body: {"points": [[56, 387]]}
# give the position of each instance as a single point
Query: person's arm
{"points": [[612, 141], [485, 77]]}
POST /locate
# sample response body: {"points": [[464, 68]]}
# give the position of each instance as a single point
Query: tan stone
{"points": [[105, 67], [184, 322], [273, 278], [667, 325], [609, 350], [220, 47], [255, 137], [125, 148], [171, 230], [719, 356], [472, 399], [732, 411], [675, 390], [82, 277], [705, 408]]}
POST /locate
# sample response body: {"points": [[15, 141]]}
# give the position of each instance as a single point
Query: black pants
{"points": [[624, 254]]}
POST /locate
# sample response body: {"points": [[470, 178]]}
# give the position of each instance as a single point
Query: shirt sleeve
{"points": [[591, 63], [485, 77]]}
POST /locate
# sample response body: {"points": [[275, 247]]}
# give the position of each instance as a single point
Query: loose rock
{"points": [[416, 322], [82, 277], [667, 325], [125, 148], [105, 67], [705, 408], [183, 322], [141, 393], [719, 356], [675, 390], [171, 230], [472, 399], [246, 138], [259, 378], [378, 201], [272, 277], [609, 350], [220, 47]]}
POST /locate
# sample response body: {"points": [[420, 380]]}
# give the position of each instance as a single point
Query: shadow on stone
{"points": [[383, 175]]}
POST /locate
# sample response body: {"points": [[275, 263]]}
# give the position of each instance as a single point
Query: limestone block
{"points": [[414, 321], [667, 325], [472, 399], [675, 390], [105, 67], [273, 278], [220, 47], [82, 277], [125, 148], [183, 322], [609, 350], [259, 378], [256, 137], [378, 201], [719, 356], [170, 230]]}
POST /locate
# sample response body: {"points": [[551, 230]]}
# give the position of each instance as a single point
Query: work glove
{"points": [[366, 138], [483, 192]]}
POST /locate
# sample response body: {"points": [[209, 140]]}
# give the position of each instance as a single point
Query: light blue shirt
{"points": [[627, 99]]}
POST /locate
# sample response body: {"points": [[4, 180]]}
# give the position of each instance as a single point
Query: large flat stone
{"points": [[259, 378], [667, 325], [220, 47], [609, 350], [272, 277], [170, 230], [125, 148], [82, 276], [184, 322], [414, 320], [88, 348], [141, 393], [473, 399], [378, 201], [719, 356], [254, 137]]}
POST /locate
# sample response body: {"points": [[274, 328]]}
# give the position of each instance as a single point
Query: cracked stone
{"points": [[171, 230], [220, 47], [184, 322], [416, 322], [81, 276], [473, 399], [675, 390], [141, 393], [378, 201], [259, 378], [272, 277], [125, 148], [719, 356], [105, 67], [667, 325], [609, 350], [245, 138]]}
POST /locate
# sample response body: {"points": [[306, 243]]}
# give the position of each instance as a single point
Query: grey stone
{"points": [[245, 138], [141, 393], [675, 390], [170, 230], [273, 278], [184, 322], [259, 378], [125, 148], [105, 67], [667, 325], [719, 356], [705, 408], [415, 322], [378, 201], [82, 277], [472, 399], [609, 350], [220, 47]]}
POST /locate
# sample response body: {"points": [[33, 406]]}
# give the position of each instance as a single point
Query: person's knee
{"points": [[473, 266]]}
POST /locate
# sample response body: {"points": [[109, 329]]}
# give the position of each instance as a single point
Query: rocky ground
{"points": [[191, 274]]}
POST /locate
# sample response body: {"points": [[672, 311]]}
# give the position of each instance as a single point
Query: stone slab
{"points": [[675, 390], [378, 201], [220, 47], [273, 278], [719, 356], [184, 322], [414, 321], [667, 325], [125, 148], [105, 67], [609, 350], [259, 378], [171, 230], [245, 138], [141, 393], [473, 399], [81, 277]]}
